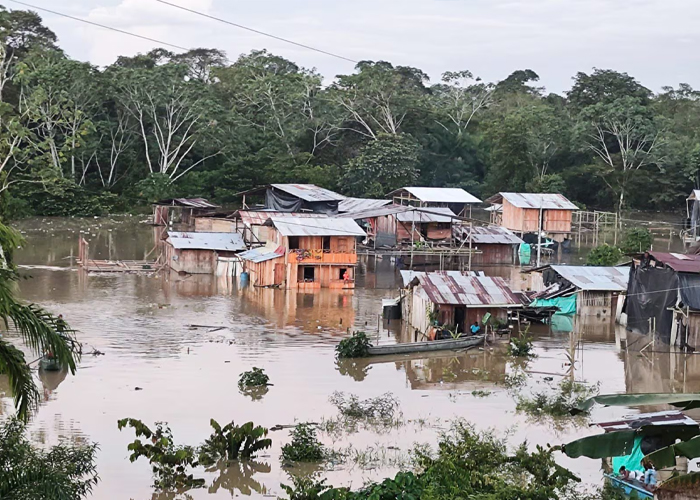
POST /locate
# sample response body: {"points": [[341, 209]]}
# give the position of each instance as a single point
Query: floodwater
{"points": [[174, 348]]}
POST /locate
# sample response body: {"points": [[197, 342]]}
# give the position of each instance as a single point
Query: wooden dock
{"points": [[113, 266]]}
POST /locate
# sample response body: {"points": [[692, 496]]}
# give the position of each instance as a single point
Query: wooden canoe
{"points": [[429, 346]]}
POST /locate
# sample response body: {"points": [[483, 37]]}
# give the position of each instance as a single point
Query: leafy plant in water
{"points": [[481, 394], [521, 346], [310, 488], [568, 395], [169, 462], [305, 446], [232, 442], [380, 408], [604, 255], [637, 240], [253, 378], [356, 346]]}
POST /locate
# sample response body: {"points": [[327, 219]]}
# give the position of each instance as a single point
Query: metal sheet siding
{"points": [[490, 235], [435, 214], [351, 205], [594, 278], [309, 192], [329, 226]]}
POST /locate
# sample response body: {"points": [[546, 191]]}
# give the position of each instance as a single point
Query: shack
{"points": [[295, 198], [253, 224], [306, 254], [525, 213], [491, 244], [583, 290], [663, 298], [456, 299], [180, 210], [456, 199], [198, 253]]}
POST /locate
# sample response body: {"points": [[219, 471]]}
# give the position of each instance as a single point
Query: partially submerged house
{"points": [[295, 198], [456, 199], [525, 213], [306, 254], [198, 253], [663, 298], [582, 290], [492, 245], [180, 210], [253, 224], [456, 299]]}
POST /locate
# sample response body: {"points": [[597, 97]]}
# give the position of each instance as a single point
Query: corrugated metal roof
{"points": [[309, 192], [377, 212], [469, 291], [262, 254], [432, 214], [260, 217], [633, 422], [360, 204], [679, 262], [546, 201], [408, 275], [439, 195], [329, 226], [188, 203], [489, 235], [229, 242], [595, 278]]}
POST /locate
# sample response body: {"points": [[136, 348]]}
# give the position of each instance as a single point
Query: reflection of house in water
{"points": [[468, 371], [661, 372], [664, 297], [308, 311], [306, 254]]}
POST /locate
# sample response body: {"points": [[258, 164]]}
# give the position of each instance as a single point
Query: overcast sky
{"points": [[656, 41]]}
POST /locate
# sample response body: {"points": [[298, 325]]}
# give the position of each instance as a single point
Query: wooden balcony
{"points": [[322, 257]]}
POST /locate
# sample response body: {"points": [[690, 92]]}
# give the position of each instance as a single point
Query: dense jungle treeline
{"points": [[79, 140]]}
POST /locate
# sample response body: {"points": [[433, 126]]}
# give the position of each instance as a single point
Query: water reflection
{"points": [[238, 477]]}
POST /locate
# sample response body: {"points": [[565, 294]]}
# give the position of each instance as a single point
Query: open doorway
{"points": [[307, 274], [460, 318]]}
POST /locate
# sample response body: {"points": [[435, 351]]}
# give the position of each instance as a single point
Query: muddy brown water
{"points": [[188, 374]]}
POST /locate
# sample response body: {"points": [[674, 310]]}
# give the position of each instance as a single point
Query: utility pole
{"points": [[539, 238]]}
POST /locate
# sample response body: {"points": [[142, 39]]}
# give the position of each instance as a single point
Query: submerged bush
{"points": [[568, 395], [383, 407], [604, 255], [637, 240], [356, 346], [305, 446], [253, 378], [232, 442], [521, 346]]}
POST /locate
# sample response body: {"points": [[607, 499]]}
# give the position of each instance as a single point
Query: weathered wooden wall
{"points": [[526, 220], [494, 254], [190, 261]]}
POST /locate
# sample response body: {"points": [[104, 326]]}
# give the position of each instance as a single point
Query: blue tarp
{"points": [[566, 305]]}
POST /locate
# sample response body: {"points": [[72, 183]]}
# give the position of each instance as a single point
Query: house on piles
{"points": [[457, 200], [491, 245], [581, 290], [180, 210], [456, 299], [199, 253], [525, 213], [663, 298], [254, 224], [306, 254], [291, 198]]}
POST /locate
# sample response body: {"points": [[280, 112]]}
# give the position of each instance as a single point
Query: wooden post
{"points": [[539, 238]]}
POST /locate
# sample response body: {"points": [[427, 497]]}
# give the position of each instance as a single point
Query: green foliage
{"points": [[305, 446], [604, 255], [559, 403], [253, 378], [170, 463], [309, 488], [521, 346], [232, 442], [155, 187], [636, 240], [64, 471], [356, 346], [380, 408]]}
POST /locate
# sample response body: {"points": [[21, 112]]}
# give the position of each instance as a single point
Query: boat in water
{"points": [[429, 346]]}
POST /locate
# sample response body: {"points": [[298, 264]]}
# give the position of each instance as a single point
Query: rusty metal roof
{"points": [[322, 226], [595, 278], [422, 215], [546, 201], [408, 275], [309, 192], [187, 203], [488, 235], [439, 195], [260, 217], [262, 254], [679, 262], [228, 242], [469, 291], [349, 205]]}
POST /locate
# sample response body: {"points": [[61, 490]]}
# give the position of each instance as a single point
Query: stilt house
{"points": [[198, 253], [456, 199], [525, 213]]}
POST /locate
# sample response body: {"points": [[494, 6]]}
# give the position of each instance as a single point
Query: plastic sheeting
{"points": [[566, 305], [284, 202], [690, 290], [652, 291], [631, 462]]}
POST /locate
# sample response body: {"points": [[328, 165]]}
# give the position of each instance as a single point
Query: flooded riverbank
{"points": [[183, 341]]}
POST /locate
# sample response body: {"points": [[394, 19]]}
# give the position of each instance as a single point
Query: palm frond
{"points": [[24, 391]]}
